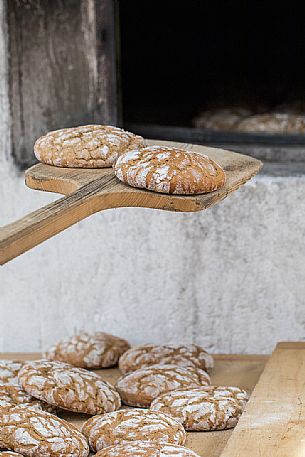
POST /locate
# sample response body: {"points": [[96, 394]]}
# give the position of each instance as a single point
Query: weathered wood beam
{"points": [[62, 67]]}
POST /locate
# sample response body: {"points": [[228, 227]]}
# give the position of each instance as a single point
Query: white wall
{"points": [[231, 278]]}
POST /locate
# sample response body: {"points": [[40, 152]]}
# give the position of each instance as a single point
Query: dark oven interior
{"points": [[184, 62]]}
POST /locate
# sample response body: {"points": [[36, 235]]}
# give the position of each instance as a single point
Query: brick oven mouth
{"points": [[180, 61]]}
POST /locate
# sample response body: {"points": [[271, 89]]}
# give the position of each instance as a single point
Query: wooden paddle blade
{"points": [[90, 191], [239, 168]]}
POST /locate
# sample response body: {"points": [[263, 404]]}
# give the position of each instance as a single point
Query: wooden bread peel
{"points": [[88, 191]]}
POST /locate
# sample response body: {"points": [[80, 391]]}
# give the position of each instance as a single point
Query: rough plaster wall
{"points": [[231, 278]]}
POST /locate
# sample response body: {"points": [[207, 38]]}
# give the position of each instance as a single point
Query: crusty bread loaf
{"points": [[68, 387], [38, 433], [287, 118], [169, 170], [87, 146], [221, 119], [141, 387], [89, 350], [124, 426], [184, 355], [273, 123], [211, 408], [11, 396]]}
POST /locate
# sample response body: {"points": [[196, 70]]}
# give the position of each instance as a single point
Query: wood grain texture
{"points": [[238, 370], [273, 422], [62, 69], [90, 191]]}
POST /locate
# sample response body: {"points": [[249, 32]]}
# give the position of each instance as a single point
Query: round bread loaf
{"points": [[9, 370], [221, 119], [85, 350], [197, 409], [141, 387], [38, 433], [169, 170], [87, 146], [189, 355], [11, 396], [273, 123], [131, 425], [146, 449], [67, 387]]}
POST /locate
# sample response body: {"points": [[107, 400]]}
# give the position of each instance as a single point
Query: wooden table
{"points": [[273, 423], [240, 370]]}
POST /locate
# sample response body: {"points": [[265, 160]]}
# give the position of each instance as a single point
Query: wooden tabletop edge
{"points": [[291, 345]]}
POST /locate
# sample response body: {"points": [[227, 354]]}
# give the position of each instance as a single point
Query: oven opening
{"points": [[214, 72]]}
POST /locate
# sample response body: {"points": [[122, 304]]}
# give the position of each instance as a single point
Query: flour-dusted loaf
{"points": [[141, 387], [124, 426], [188, 355], [38, 433], [146, 449], [273, 123], [67, 387], [203, 409], [9, 370], [287, 118], [89, 350], [87, 146], [221, 119], [169, 170], [11, 396]]}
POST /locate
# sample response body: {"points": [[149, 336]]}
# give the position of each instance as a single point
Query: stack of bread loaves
{"points": [[285, 119], [156, 168], [168, 384]]}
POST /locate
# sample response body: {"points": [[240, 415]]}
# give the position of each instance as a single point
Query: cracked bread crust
{"points": [[85, 350], [238, 394], [67, 387], [189, 355], [86, 146], [284, 123], [131, 425], [11, 396], [9, 370], [146, 449], [38, 433], [141, 387], [169, 170], [203, 409]]}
